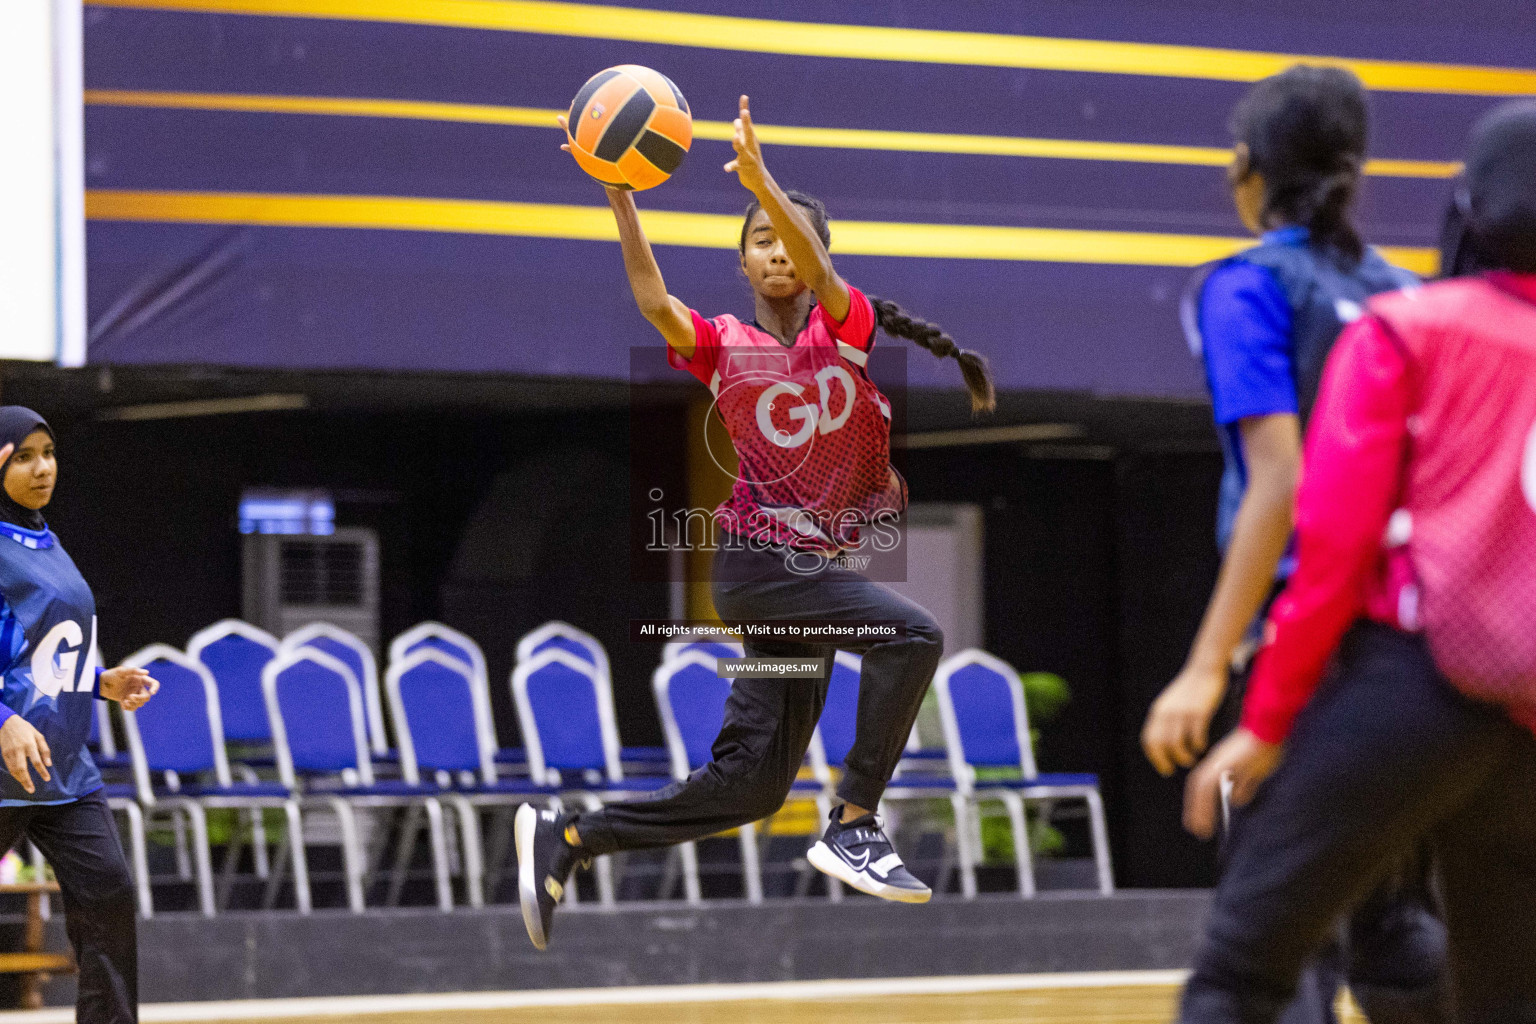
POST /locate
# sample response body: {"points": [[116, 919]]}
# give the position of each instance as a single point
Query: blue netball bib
{"points": [[47, 634]]}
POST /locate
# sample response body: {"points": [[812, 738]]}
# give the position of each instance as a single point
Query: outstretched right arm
{"points": [[667, 313]]}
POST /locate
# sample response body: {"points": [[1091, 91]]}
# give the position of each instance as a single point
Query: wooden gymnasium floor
{"points": [[1142, 997]]}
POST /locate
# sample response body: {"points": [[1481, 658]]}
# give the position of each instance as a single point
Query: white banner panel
{"points": [[41, 236]]}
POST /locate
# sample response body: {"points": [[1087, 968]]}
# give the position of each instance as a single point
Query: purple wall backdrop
{"points": [[319, 297]]}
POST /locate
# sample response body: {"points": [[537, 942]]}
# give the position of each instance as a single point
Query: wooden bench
{"points": [[33, 961]]}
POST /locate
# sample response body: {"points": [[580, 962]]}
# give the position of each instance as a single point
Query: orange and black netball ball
{"points": [[629, 127]]}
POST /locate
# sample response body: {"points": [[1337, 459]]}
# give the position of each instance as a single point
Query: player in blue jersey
{"points": [[52, 792]]}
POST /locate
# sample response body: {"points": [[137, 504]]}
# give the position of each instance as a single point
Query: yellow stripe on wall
{"points": [[671, 227], [779, 135], [867, 42]]}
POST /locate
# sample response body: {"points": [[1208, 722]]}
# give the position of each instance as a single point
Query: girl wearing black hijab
{"points": [[52, 792]]}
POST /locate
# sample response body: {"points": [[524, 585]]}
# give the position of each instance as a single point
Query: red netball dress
{"points": [[1417, 504]]}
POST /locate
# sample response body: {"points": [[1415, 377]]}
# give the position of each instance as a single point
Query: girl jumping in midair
{"points": [[812, 434]]}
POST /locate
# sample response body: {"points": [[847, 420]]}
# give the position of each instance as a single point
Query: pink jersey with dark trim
{"points": [[811, 431], [1417, 504], [1469, 494]]}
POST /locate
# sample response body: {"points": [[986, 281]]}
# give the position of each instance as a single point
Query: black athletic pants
{"points": [[1386, 756], [769, 722], [80, 841], [1390, 951]]}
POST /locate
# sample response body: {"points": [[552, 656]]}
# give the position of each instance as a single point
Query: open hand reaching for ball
{"points": [[748, 164]]}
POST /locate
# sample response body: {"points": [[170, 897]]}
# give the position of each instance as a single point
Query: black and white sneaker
{"points": [[544, 864], [857, 853]]}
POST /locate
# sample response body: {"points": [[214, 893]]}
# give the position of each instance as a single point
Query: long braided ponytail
{"points": [[898, 323], [894, 320]]}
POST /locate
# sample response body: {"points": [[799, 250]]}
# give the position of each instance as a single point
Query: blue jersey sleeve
{"points": [[1245, 329]]}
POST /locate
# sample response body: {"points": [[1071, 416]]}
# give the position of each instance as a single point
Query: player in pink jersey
{"points": [[812, 433], [1416, 578]]}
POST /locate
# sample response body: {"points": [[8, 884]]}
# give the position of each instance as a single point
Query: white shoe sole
{"points": [[525, 826], [829, 863]]}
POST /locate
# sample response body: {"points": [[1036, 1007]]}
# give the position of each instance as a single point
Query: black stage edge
{"points": [[268, 955]]}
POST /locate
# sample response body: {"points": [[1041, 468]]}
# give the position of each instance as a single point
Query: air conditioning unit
{"points": [[303, 569]]}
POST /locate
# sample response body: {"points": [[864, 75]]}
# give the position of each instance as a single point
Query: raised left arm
{"points": [[812, 261]]}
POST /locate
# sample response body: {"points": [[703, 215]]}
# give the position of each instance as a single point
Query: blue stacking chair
{"points": [[442, 638], [456, 645], [568, 638], [180, 737], [565, 709], [691, 697], [986, 725], [349, 649], [557, 635], [722, 646], [442, 719], [236, 652], [320, 735]]}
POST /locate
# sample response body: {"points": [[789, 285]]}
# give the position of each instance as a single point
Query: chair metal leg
{"points": [[1023, 856], [1100, 834], [751, 864], [693, 893], [202, 857], [403, 853], [254, 817], [227, 872], [45, 907], [275, 877], [351, 851], [352, 854], [947, 865], [138, 852], [602, 867], [469, 840], [963, 850], [439, 854], [671, 872], [301, 894], [501, 845], [259, 860], [183, 858]]}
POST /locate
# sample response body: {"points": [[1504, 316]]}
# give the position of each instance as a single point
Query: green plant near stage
{"points": [[1045, 694], [222, 823]]}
